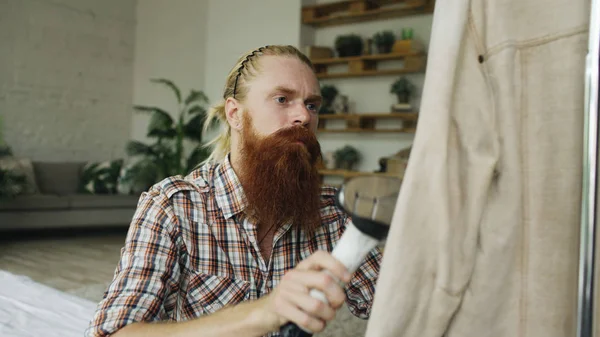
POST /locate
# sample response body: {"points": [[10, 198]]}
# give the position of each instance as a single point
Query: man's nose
{"points": [[301, 115]]}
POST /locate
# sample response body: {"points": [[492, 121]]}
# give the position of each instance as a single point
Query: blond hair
{"points": [[236, 86]]}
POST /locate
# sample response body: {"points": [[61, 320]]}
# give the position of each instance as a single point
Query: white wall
{"points": [[195, 43], [236, 26], [170, 43], [371, 94], [66, 77]]}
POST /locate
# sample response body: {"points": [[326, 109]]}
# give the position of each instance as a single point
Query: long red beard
{"points": [[280, 176]]}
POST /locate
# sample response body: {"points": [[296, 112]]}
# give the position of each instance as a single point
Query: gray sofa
{"points": [[56, 203]]}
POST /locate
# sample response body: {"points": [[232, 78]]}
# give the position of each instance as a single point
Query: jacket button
{"points": [[480, 58]]}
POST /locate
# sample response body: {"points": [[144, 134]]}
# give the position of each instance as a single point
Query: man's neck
{"points": [[235, 155], [234, 159]]}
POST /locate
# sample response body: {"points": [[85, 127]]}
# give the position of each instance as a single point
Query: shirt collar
{"points": [[228, 190]]}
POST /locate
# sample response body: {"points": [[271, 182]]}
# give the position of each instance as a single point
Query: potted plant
{"points": [[166, 155], [349, 45], [4, 148], [329, 92], [346, 157], [12, 182], [403, 90], [384, 41]]}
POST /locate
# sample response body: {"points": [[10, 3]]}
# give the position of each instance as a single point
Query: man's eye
{"points": [[280, 99], [312, 107]]}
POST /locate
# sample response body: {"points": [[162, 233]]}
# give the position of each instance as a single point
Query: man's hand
{"points": [[291, 301]]}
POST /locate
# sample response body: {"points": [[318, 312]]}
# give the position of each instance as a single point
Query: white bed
{"points": [[31, 309]]}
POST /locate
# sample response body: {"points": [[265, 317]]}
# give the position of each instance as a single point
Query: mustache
{"points": [[294, 134], [286, 137]]}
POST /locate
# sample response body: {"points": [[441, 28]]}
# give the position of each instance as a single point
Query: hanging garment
{"points": [[484, 241]]}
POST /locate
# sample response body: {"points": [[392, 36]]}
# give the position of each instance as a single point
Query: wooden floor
{"points": [[77, 262]]}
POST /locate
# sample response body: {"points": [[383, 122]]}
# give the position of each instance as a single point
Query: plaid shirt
{"points": [[190, 251]]}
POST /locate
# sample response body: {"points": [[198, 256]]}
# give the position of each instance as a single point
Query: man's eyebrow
{"points": [[291, 92], [284, 90], [314, 98]]}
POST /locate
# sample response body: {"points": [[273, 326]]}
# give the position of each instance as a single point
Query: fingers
{"points": [[292, 298], [304, 320], [298, 306], [301, 281], [322, 260]]}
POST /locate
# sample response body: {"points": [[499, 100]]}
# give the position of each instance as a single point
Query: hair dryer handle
{"points": [[292, 330]]}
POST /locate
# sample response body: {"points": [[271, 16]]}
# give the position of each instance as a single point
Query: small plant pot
{"points": [[345, 165], [403, 98], [349, 51], [384, 48]]}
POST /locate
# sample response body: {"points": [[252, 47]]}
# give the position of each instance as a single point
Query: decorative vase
{"points": [[330, 162]]}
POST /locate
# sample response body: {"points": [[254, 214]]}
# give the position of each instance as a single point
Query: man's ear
{"points": [[233, 112]]}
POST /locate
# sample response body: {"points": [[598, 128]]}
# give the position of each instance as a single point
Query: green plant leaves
{"points": [[165, 156], [5, 151], [101, 177], [196, 96], [401, 85], [193, 128], [196, 109], [161, 123], [135, 148], [142, 174], [154, 110], [198, 155], [171, 85], [160, 126], [385, 37], [11, 184]]}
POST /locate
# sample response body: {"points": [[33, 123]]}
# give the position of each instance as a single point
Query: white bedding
{"points": [[31, 309]]}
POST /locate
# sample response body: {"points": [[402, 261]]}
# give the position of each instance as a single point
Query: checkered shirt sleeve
{"points": [[146, 271]]}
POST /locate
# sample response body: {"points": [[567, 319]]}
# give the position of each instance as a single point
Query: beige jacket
{"points": [[485, 236]]}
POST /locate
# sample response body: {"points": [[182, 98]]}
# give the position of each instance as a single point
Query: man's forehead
{"points": [[286, 74]]}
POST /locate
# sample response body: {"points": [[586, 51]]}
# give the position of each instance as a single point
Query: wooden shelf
{"points": [[365, 122], [372, 57], [369, 73], [366, 65], [351, 174], [412, 116], [352, 11], [358, 130]]}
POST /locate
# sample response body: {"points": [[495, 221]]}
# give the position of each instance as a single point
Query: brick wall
{"points": [[66, 72]]}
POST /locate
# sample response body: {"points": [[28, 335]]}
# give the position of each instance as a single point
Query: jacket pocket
{"points": [[208, 293]]}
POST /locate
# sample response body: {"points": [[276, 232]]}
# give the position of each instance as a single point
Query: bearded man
{"points": [[234, 248]]}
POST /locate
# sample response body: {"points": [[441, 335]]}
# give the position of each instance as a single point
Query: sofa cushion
{"points": [[35, 202], [102, 201], [57, 178]]}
